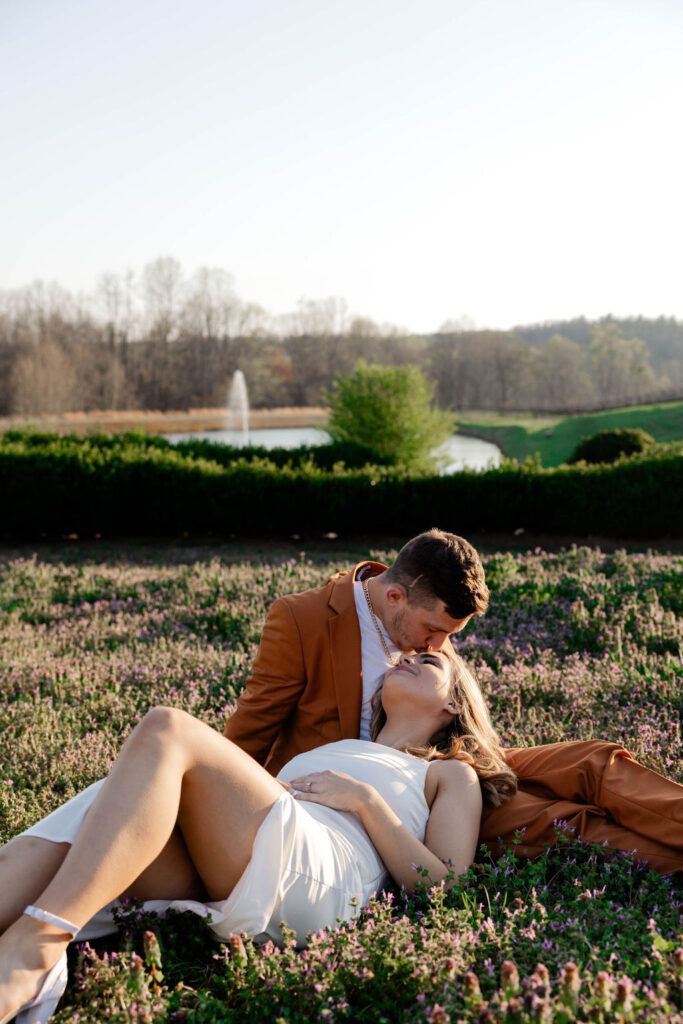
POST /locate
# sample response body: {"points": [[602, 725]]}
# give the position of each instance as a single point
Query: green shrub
{"points": [[389, 410], [609, 445]]}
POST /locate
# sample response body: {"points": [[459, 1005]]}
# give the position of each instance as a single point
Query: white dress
{"points": [[311, 866]]}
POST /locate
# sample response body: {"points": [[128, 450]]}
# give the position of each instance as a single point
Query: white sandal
{"points": [[51, 989]]}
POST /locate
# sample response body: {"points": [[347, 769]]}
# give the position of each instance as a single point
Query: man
{"points": [[324, 652]]}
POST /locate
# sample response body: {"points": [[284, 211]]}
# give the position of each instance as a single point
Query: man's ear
{"points": [[395, 594]]}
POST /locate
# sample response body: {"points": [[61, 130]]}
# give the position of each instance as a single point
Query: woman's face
{"points": [[423, 680]]}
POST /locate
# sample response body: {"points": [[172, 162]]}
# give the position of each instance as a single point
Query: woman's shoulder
{"points": [[450, 771]]}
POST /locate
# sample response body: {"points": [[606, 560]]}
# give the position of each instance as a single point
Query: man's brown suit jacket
{"points": [[306, 685]]}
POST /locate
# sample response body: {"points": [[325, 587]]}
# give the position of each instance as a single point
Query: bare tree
{"points": [[44, 380], [163, 294], [320, 317], [211, 307], [162, 289], [115, 295], [458, 325]]}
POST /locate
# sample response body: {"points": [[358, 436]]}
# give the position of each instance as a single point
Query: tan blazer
{"points": [[306, 685]]}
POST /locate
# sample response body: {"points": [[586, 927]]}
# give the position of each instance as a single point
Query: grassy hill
{"points": [[554, 437]]}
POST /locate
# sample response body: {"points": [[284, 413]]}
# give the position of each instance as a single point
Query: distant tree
{"points": [[163, 290], [308, 356], [363, 327], [44, 380], [253, 321], [322, 317], [115, 296], [670, 377], [389, 409], [102, 380], [620, 366], [266, 366], [398, 348], [448, 366], [510, 362], [163, 293], [211, 307], [558, 376], [458, 325], [7, 360], [479, 370]]}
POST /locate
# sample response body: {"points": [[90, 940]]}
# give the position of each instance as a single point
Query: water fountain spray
{"points": [[237, 413]]}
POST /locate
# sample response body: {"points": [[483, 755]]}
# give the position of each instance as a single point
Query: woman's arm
{"points": [[452, 830]]}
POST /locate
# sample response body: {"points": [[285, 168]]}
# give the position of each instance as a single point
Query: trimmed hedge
{"points": [[52, 486], [326, 456]]}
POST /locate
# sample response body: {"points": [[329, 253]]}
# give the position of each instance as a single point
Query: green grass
{"points": [[554, 437]]}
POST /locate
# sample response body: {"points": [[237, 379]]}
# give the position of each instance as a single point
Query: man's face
{"points": [[413, 627]]}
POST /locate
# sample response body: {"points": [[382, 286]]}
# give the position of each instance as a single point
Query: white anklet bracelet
{"points": [[48, 918]]}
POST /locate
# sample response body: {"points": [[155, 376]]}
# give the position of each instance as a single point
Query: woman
{"points": [[189, 819]]}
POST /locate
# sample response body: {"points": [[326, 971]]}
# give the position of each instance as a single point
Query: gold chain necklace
{"points": [[380, 634]]}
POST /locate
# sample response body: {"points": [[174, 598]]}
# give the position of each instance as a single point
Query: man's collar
{"points": [[341, 598]]}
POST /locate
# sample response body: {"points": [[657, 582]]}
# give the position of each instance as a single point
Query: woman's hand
{"points": [[333, 789]]}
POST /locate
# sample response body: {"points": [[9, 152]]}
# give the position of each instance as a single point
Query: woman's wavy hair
{"points": [[468, 737]]}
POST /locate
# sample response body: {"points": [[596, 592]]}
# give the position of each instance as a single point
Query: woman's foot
{"points": [[29, 949]]}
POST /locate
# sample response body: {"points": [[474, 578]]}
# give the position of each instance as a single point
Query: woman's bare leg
{"points": [[28, 864], [172, 769]]}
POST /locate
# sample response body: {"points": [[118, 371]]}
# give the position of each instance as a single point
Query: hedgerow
{"points": [[54, 486]]}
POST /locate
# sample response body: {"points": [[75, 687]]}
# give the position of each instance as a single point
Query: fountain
{"points": [[237, 415]]}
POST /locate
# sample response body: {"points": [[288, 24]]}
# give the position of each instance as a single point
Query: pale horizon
{"points": [[512, 164]]}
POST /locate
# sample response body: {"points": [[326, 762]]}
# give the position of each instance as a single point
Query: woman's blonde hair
{"points": [[468, 737]]}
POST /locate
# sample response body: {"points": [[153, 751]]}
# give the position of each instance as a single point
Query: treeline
{"points": [[163, 341], [664, 334]]}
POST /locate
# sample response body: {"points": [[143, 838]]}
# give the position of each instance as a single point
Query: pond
{"points": [[459, 452]]}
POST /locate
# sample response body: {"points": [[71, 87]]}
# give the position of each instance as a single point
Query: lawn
{"points": [[555, 437], [577, 644]]}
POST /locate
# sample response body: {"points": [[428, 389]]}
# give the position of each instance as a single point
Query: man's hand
{"points": [[333, 789]]}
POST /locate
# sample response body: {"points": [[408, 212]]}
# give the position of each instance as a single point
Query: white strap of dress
{"points": [[48, 918]]}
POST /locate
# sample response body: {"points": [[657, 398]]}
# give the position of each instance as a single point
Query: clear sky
{"points": [[509, 160]]}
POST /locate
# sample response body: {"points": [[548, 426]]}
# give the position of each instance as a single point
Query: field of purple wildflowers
{"points": [[576, 644]]}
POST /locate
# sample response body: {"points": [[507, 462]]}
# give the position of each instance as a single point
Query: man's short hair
{"points": [[437, 565]]}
